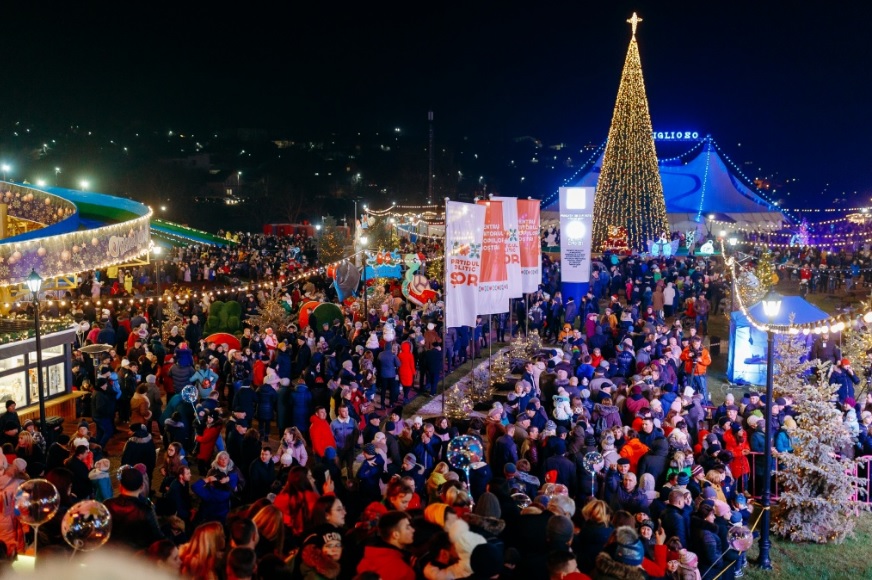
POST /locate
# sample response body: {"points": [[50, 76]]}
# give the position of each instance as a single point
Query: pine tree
{"points": [[271, 313], [816, 502], [457, 404], [856, 342], [333, 242], [629, 192], [765, 272]]}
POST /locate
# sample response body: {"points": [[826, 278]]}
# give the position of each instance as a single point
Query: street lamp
{"points": [[57, 170], [6, 169], [733, 241], [771, 307], [363, 241], [34, 283], [84, 184], [238, 182]]}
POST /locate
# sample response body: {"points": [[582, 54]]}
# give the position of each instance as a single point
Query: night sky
{"points": [[788, 81]]}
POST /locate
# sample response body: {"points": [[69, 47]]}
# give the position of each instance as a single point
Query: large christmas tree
{"points": [[817, 493], [629, 192]]}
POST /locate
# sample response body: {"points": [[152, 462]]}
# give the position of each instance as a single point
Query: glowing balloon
{"points": [[552, 489], [36, 501], [87, 525], [522, 500], [740, 538], [190, 395], [463, 451], [591, 460]]}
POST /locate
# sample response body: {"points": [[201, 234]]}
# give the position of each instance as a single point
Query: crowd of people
{"points": [[350, 484]]}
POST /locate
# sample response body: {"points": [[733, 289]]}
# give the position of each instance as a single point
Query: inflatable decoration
{"points": [[346, 279], [384, 264], [416, 286], [325, 314], [305, 311], [223, 338]]}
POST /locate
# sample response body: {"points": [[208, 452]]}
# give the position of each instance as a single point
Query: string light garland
{"points": [[629, 191], [830, 324], [708, 158]]}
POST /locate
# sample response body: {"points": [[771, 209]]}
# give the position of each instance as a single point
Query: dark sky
{"points": [[790, 81]]}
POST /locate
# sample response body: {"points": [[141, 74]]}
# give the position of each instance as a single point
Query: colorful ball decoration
{"points": [[76, 249], [36, 501], [40, 252], [305, 311], [95, 242], [325, 313], [463, 451], [65, 255], [87, 525]]}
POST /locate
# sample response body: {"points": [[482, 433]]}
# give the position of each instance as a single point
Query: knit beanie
{"points": [[435, 513], [559, 530], [488, 506], [629, 548]]}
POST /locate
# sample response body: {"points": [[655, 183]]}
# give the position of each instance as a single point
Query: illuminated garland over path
{"points": [[629, 192]]}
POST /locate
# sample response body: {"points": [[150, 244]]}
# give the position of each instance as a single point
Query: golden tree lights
{"points": [[629, 192]]}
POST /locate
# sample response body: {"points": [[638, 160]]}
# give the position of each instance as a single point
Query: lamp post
{"points": [[363, 241], [34, 283], [57, 171], [6, 169], [771, 307], [158, 309]]}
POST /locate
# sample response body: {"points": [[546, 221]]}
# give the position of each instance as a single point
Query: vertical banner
{"points": [[530, 244], [576, 233], [464, 229], [513, 244], [493, 287]]}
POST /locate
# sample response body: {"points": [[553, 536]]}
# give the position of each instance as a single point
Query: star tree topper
{"points": [[634, 21]]}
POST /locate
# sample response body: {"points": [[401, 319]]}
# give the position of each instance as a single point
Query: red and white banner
{"points": [[530, 244], [493, 286], [464, 230], [513, 246]]}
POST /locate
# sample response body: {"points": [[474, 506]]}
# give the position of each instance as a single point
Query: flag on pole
{"points": [[513, 245], [530, 244], [493, 287], [464, 230]]}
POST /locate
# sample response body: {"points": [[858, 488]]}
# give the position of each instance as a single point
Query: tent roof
{"points": [[803, 312], [701, 185]]}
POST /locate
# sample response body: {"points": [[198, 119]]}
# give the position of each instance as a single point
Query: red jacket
{"points": [[407, 365], [385, 560], [322, 436], [207, 442], [634, 450]]}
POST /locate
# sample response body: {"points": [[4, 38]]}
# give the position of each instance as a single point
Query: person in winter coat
{"points": [[705, 541], [654, 462], [292, 449], [345, 434], [140, 448], [181, 375], [301, 406], [388, 365], [432, 368], [214, 492], [140, 406], [266, 397], [134, 523], [386, 554], [406, 371], [369, 474], [284, 363], [244, 400], [207, 442], [284, 405], [101, 481], [261, 475], [320, 433], [155, 403], [605, 416], [633, 450], [627, 496]]}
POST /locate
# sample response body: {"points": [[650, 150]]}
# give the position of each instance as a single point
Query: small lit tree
{"points": [[817, 502], [333, 242]]}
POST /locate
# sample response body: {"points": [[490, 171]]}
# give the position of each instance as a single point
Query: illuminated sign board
{"points": [[675, 135]]}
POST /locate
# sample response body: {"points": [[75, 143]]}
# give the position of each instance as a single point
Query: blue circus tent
{"points": [[746, 359], [696, 185]]}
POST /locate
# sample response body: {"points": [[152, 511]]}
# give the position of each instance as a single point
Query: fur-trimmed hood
{"points": [[492, 526], [314, 559], [607, 568]]}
